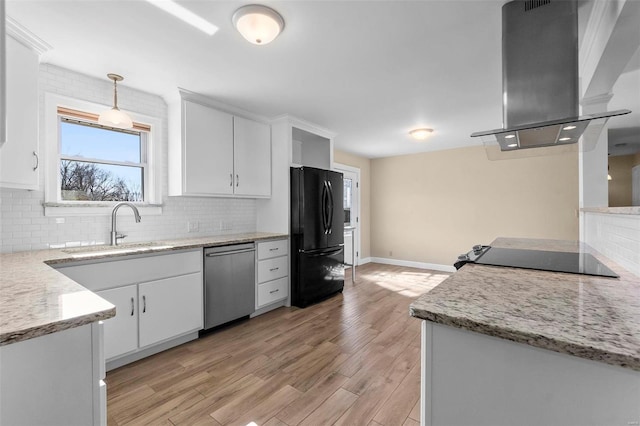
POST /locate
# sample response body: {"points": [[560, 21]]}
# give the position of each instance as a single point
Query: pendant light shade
{"points": [[114, 117], [258, 24]]}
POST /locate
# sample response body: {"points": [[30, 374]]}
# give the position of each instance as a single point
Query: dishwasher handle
{"points": [[226, 253]]}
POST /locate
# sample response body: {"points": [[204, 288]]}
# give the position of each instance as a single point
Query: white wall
{"points": [[24, 226]]}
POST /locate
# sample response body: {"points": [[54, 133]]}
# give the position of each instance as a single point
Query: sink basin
{"points": [[104, 250]]}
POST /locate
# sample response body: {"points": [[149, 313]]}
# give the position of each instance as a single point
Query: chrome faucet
{"points": [[114, 234]]}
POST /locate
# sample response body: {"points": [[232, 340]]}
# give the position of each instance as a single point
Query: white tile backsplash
{"points": [[23, 225], [617, 236]]}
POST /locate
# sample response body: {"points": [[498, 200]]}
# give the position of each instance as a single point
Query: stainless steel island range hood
{"points": [[540, 79]]}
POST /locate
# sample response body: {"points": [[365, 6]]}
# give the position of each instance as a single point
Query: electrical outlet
{"points": [[390, 253], [193, 226]]}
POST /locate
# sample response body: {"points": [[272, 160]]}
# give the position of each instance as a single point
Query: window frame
{"points": [[50, 140]]}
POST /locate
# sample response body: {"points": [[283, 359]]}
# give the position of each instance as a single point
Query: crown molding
{"points": [[26, 37]]}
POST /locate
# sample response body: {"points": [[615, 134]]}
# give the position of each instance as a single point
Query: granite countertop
{"points": [[36, 300], [596, 318]]}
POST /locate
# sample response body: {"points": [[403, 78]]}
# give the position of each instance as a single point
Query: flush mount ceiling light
{"points": [[114, 117], [421, 134], [258, 24], [185, 15]]}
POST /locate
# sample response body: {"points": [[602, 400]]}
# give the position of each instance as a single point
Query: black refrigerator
{"points": [[317, 235]]}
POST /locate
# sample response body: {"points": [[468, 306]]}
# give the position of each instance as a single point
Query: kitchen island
{"points": [[505, 345]]}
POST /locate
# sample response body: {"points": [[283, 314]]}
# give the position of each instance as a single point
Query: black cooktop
{"points": [[556, 261]]}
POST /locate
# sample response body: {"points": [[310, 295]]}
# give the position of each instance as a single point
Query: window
{"points": [[90, 167], [100, 163]]}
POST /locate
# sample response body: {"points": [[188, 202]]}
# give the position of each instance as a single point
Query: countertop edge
{"points": [[530, 339], [54, 327]]}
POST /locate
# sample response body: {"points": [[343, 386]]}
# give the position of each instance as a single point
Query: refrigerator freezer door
{"points": [[318, 274]]}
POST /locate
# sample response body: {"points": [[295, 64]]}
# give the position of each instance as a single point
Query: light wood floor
{"points": [[350, 360]]}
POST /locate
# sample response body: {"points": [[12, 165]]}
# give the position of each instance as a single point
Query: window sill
{"points": [[91, 209]]}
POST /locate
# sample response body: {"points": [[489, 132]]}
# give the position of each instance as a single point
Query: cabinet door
{"points": [[18, 156], [121, 331], [169, 308], [252, 157], [207, 150]]}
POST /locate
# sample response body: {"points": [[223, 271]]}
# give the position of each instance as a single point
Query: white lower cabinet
{"points": [[169, 308], [157, 298], [273, 272], [121, 331]]}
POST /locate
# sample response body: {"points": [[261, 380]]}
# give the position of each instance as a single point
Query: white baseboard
{"points": [[412, 264], [363, 261]]}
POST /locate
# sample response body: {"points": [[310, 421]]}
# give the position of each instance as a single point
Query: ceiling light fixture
{"points": [[258, 24], [569, 128], [512, 145], [421, 134], [114, 117], [564, 139], [510, 136], [185, 15]]}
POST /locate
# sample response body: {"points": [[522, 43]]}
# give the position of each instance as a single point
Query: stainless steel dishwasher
{"points": [[229, 283]]}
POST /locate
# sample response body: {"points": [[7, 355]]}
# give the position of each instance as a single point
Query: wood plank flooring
{"points": [[350, 360]]}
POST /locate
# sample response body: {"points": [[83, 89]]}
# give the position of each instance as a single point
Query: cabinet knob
{"points": [[132, 307], [274, 291], [35, 154], [274, 269], [231, 179], [144, 304], [237, 180]]}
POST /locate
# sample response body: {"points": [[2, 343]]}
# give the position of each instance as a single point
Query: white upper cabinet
{"points": [[19, 163], [252, 157], [217, 153], [208, 150]]}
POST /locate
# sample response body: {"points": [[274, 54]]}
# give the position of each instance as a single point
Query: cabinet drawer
{"points": [[118, 273], [273, 291], [272, 269], [271, 249]]}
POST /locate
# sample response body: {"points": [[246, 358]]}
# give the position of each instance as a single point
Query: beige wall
{"points": [[431, 207], [620, 185], [364, 164]]}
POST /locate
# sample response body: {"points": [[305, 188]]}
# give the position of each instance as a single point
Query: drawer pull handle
{"points": [[274, 291], [144, 304], [274, 269], [132, 307], [273, 249]]}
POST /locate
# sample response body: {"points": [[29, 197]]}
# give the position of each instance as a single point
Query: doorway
{"points": [[351, 205]]}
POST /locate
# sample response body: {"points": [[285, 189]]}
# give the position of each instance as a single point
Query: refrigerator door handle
{"points": [[331, 206], [325, 224]]}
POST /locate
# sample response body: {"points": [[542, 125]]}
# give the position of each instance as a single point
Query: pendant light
{"points": [[114, 117], [257, 23]]}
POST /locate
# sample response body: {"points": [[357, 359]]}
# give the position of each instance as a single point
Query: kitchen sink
{"points": [[103, 250]]}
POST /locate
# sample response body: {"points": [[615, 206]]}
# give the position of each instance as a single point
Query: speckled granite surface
{"points": [[590, 317], [35, 299], [612, 210]]}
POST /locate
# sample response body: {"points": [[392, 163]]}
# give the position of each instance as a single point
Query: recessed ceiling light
{"points": [[512, 145], [421, 134], [510, 136], [186, 15], [564, 139], [569, 128]]}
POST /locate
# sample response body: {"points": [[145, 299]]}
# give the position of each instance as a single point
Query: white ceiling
{"points": [[367, 70]]}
